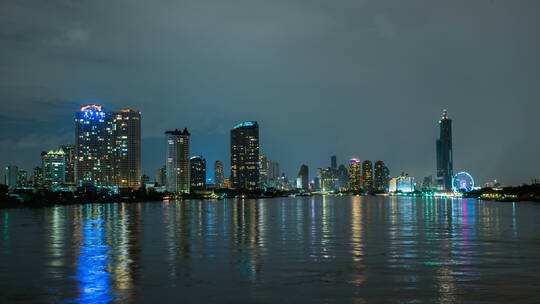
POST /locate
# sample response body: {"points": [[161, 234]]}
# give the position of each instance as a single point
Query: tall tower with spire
{"points": [[445, 163]]}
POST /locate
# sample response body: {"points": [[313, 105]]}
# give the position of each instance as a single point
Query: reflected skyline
{"points": [[195, 249]]}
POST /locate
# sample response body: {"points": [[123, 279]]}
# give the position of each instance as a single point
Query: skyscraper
{"points": [[445, 166], [354, 174], [218, 174], [108, 145], [303, 176], [343, 177], [93, 147], [54, 167], [178, 170], [126, 143], [161, 176], [198, 172], [381, 177], [263, 171], [245, 156], [367, 175], [333, 162], [69, 153]]}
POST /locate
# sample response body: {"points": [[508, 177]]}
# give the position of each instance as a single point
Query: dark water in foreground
{"points": [[290, 250]]}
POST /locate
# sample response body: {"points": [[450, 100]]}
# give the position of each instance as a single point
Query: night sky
{"points": [[366, 79]]}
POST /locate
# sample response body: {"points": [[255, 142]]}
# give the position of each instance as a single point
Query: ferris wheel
{"points": [[462, 181]]}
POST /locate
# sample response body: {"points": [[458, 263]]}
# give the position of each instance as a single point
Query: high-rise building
{"points": [[273, 173], [367, 175], [343, 177], [198, 172], [22, 178], [333, 162], [93, 147], [178, 170], [303, 176], [445, 166], [69, 151], [245, 156], [37, 177], [263, 171], [54, 167], [161, 176], [10, 176], [354, 174], [108, 145], [381, 178], [126, 132], [327, 179], [219, 175]]}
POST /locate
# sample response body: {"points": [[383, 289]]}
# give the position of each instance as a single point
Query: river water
{"points": [[319, 249]]}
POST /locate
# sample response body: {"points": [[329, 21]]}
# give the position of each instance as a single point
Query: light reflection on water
{"points": [[313, 249]]}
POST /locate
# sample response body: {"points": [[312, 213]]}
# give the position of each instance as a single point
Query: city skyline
{"points": [[306, 72]]}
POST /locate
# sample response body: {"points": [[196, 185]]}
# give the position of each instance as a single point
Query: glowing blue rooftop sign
{"points": [[246, 124]]}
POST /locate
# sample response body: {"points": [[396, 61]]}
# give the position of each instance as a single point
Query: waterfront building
{"points": [[367, 175], [381, 176], [405, 183], [245, 156], [333, 162], [126, 144], [427, 184], [303, 178], [37, 177], [161, 176], [22, 178], [226, 183], [10, 176], [327, 179], [263, 171], [107, 148], [392, 185], [54, 167], [69, 155], [354, 175], [198, 172], [177, 166], [273, 173], [445, 166], [219, 178], [342, 177]]}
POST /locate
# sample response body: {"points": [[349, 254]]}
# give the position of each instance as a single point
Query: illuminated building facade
{"points": [[354, 174], [126, 145], [303, 178], [245, 156], [198, 172], [54, 167], [405, 183], [219, 174], [93, 147], [445, 166], [381, 177], [367, 175], [326, 179], [108, 145], [178, 170]]}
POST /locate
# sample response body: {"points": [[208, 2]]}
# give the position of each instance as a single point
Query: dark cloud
{"points": [[364, 79]]}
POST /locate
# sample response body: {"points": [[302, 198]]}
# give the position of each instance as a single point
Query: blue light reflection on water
{"points": [[91, 271]]}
